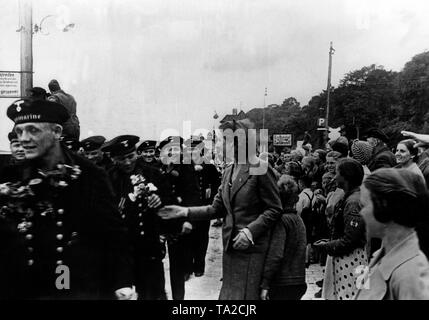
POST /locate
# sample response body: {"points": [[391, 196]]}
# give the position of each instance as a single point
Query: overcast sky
{"points": [[140, 66]]}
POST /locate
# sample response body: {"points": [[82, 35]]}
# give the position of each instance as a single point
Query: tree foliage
{"points": [[414, 88], [365, 98]]}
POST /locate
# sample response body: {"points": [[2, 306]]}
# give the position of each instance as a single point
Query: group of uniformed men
{"points": [[97, 216]]}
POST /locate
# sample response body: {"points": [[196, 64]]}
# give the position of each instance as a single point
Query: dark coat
{"points": [[285, 261], [208, 178], [4, 161], [185, 191], [83, 232], [347, 226], [253, 202], [143, 223], [122, 184], [106, 163], [184, 183], [71, 127], [155, 164], [382, 157]]}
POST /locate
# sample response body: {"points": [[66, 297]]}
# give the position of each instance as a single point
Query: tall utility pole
{"points": [[263, 110], [331, 52], [26, 26]]}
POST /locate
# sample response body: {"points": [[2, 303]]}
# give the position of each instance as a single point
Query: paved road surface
{"points": [[208, 286]]}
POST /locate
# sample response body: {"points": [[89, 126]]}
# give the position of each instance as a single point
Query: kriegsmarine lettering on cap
{"points": [[26, 117]]}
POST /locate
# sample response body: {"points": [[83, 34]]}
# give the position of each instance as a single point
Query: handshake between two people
{"points": [[241, 241]]}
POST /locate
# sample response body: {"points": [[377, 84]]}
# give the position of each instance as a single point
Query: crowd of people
{"points": [[95, 218], [91, 205], [333, 208]]}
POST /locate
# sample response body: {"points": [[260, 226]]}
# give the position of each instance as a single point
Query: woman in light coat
{"points": [[394, 202], [248, 200]]}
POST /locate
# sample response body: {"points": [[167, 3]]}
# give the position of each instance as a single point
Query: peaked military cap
{"points": [[12, 136], [71, 143], [148, 144], [121, 145], [173, 140], [26, 110], [92, 143], [193, 143]]}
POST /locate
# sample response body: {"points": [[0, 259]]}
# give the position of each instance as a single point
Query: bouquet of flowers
{"points": [[141, 188]]}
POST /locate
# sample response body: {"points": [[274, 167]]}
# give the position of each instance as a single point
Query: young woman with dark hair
{"points": [[406, 156], [395, 202], [346, 247]]}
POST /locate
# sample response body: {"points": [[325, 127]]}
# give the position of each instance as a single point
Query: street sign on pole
{"points": [[284, 140], [10, 84]]}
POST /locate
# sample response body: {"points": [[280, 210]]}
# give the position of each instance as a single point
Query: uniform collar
{"points": [[405, 250], [30, 169]]}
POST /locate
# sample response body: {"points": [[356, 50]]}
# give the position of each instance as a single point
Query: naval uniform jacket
{"points": [[208, 178], [106, 163], [184, 183], [143, 223], [185, 191], [82, 232]]}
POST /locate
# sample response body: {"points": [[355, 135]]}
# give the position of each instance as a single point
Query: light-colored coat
{"points": [[401, 274], [253, 202]]}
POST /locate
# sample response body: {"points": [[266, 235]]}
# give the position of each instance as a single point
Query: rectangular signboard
{"points": [[282, 140], [10, 84]]}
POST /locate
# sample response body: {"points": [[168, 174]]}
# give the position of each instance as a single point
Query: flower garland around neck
{"points": [[26, 199]]}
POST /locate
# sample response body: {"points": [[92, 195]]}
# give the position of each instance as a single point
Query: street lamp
{"points": [[39, 27], [27, 30]]}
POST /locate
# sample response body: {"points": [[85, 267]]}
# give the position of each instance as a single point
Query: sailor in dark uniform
{"points": [[17, 154], [91, 147], [139, 191], [60, 233], [16, 149], [209, 180], [184, 184], [147, 151], [71, 143]]}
